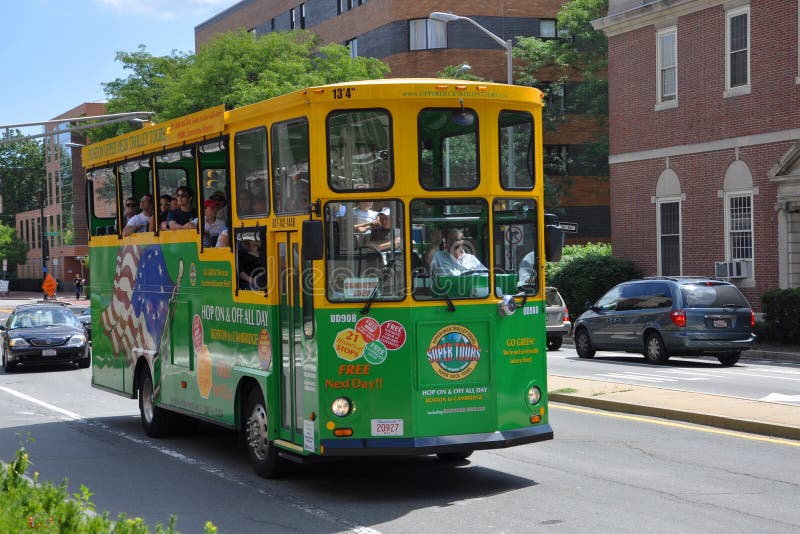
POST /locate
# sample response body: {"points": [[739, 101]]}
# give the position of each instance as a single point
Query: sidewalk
{"points": [[744, 415]]}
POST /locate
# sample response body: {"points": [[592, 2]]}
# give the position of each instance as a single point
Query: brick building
{"points": [[64, 205], [704, 113], [400, 34]]}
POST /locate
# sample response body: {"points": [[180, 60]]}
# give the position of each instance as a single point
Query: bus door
{"points": [[290, 317]]}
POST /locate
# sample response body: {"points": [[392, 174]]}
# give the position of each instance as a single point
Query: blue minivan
{"points": [[668, 316]]}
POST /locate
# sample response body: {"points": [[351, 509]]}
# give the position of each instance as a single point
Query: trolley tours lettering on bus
{"points": [[454, 352]]}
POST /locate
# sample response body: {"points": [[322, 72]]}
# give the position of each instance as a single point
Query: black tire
{"points": [[729, 358], [8, 367], [583, 344], [261, 451], [655, 351], [554, 342], [458, 456], [156, 421]]}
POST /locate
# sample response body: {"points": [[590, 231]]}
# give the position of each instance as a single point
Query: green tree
{"points": [[234, 69], [21, 174], [11, 248], [571, 70]]}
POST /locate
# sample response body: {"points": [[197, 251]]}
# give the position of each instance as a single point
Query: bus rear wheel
{"points": [[155, 420], [263, 454]]}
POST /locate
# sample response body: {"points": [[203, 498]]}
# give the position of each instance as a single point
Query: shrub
{"points": [[585, 272], [780, 313], [28, 505]]}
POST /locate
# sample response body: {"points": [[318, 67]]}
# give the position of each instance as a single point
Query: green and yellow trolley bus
{"points": [[351, 270]]}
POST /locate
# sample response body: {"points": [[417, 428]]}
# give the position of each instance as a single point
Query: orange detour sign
{"points": [[49, 285]]}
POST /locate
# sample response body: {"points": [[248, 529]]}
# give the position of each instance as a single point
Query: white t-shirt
{"points": [[362, 216], [445, 264], [138, 220]]}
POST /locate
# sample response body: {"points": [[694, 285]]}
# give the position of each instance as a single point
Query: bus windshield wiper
{"points": [[379, 286], [450, 306]]}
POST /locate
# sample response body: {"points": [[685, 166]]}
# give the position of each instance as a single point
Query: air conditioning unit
{"points": [[733, 269]]}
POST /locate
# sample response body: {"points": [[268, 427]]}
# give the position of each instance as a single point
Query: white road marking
{"points": [[642, 378], [219, 473], [780, 397]]}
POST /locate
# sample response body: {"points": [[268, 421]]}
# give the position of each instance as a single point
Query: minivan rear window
{"points": [[712, 296]]}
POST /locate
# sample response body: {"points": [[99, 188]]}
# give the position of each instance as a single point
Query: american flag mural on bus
{"points": [[137, 314]]}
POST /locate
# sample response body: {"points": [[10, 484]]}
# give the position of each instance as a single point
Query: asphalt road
{"points": [[604, 472], [749, 379]]}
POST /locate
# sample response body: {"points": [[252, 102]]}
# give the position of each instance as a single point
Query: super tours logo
{"points": [[454, 352]]}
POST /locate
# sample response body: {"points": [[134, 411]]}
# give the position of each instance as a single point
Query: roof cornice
{"points": [[650, 13]]}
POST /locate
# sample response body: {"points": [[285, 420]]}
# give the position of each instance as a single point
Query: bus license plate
{"points": [[720, 323], [387, 427], [49, 352]]}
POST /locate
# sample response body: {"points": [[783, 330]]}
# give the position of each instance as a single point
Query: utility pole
{"points": [[45, 243]]}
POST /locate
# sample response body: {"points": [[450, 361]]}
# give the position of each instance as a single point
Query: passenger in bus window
{"points": [[212, 225], [244, 203], [183, 216], [381, 232], [222, 204], [143, 221], [251, 272], [527, 270], [451, 259], [224, 238], [164, 205], [363, 213], [131, 209]]}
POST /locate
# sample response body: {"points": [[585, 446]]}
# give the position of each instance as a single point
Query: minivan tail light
{"points": [[678, 317], [752, 319], [566, 315]]}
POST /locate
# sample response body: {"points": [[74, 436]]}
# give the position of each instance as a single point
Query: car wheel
{"points": [[583, 345], [729, 358], [8, 367], [155, 420], [263, 454], [655, 351], [554, 342], [454, 456]]}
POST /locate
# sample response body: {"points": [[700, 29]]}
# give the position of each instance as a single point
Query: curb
{"points": [[728, 423]]}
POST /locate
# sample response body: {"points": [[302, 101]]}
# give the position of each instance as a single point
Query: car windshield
{"points": [[712, 296], [42, 317]]}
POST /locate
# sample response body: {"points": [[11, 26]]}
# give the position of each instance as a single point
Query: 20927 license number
{"points": [[387, 427]]}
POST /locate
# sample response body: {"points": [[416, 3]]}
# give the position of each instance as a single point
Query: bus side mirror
{"points": [[312, 240], [553, 238]]}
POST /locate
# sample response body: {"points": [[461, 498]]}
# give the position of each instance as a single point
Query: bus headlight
{"points": [[534, 395], [341, 407]]}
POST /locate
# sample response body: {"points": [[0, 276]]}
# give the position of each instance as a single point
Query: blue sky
{"points": [[55, 54]]}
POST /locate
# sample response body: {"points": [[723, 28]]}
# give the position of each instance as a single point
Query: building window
{"points": [[737, 45], [556, 160], [548, 28], [425, 34], [272, 24], [302, 16], [253, 32], [669, 237], [667, 65], [292, 19], [739, 224], [352, 44]]}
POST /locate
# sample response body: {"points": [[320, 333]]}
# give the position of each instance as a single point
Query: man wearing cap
{"points": [[381, 232], [212, 225], [143, 221]]}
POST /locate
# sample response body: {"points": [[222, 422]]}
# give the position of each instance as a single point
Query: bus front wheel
{"points": [[155, 420], [262, 453]]}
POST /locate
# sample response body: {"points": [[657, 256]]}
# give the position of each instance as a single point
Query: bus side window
{"points": [[251, 165], [251, 273], [290, 177]]}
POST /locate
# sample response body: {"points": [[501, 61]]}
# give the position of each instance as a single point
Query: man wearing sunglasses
{"points": [[131, 209], [141, 222], [182, 217]]}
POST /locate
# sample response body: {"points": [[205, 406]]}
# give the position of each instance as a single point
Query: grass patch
{"points": [[27, 504], [564, 390], [615, 390]]}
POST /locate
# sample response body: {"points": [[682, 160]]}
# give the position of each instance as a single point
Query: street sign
{"points": [[569, 227]]}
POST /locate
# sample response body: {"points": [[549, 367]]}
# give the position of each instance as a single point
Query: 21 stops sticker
{"points": [[454, 352]]}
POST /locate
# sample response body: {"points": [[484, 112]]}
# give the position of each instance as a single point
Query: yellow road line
{"points": [[696, 428]]}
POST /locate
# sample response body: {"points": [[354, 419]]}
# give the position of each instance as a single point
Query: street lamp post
{"points": [[449, 17]]}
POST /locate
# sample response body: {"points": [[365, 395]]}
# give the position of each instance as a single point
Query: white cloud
{"points": [[168, 9]]}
